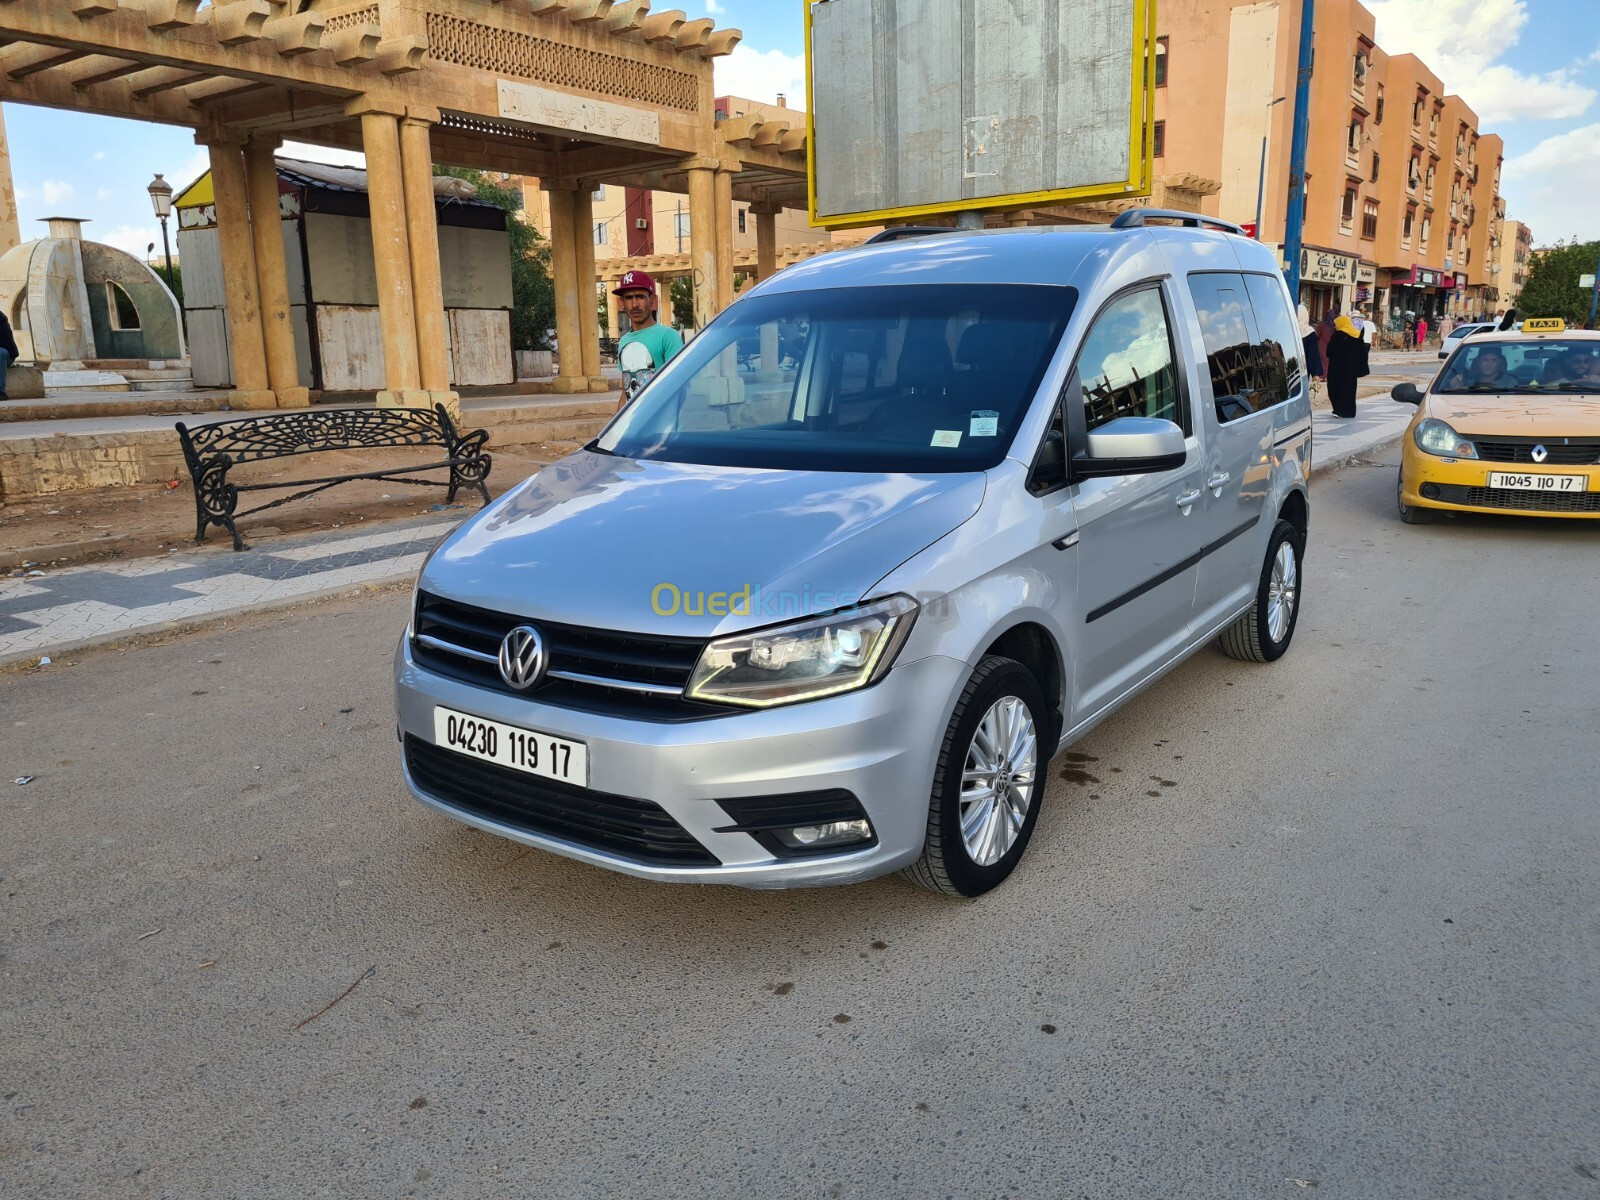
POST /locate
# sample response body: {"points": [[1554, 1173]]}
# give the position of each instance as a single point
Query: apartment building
{"points": [[1510, 267], [1402, 190]]}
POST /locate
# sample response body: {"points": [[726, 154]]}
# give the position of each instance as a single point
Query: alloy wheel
{"points": [[997, 781]]}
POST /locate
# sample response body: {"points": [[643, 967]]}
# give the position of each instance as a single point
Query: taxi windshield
{"points": [[1535, 367]]}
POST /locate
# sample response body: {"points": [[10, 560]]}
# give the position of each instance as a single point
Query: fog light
{"points": [[834, 833], [1430, 491]]}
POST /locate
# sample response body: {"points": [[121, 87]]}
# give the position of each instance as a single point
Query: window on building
{"points": [[1427, 229], [1359, 71], [1418, 108], [120, 307], [1158, 147], [602, 233], [1375, 163], [1414, 174], [1431, 167], [1347, 214], [1161, 62], [1450, 238], [683, 225], [600, 192], [742, 219], [1353, 138], [1411, 222], [1377, 111], [1369, 220]]}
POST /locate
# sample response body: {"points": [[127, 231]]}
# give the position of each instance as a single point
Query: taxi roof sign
{"points": [[1544, 325]]}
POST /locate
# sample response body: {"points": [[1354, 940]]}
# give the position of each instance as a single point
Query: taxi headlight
{"points": [[804, 660], [1436, 437]]}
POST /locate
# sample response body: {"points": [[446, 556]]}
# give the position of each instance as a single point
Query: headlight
{"points": [[804, 660], [1436, 437]]}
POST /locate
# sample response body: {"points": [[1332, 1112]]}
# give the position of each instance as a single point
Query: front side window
{"points": [[1531, 368], [1126, 367], [917, 378]]}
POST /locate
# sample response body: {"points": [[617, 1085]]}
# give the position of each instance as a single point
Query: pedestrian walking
{"points": [[1445, 326], [1308, 344], [1347, 354], [1408, 333], [1422, 332], [1325, 335]]}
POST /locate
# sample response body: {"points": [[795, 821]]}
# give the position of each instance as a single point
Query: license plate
{"points": [[524, 750], [1538, 483]]}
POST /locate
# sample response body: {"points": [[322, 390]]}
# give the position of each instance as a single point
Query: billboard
{"points": [[921, 107]]}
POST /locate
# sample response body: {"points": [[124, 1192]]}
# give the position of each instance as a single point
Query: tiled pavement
{"points": [[51, 612]]}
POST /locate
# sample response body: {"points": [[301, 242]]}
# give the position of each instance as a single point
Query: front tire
{"points": [[987, 783], [1263, 633]]}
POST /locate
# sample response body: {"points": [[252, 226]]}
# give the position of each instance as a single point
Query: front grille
{"points": [[1562, 452], [640, 830], [1552, 502], [473, 636]]}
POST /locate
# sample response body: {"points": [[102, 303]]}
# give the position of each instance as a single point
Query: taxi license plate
{"points": [[525, 750], [1538, 483]]}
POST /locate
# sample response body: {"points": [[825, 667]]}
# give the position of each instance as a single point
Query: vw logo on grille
{"points": [[522, 660], [1540, 454]]}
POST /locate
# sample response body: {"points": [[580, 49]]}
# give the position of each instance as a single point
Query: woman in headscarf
{"points": [[1347, 354], [1310, 346]]}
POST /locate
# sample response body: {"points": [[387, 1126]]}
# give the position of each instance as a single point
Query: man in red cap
{"points": [[637, 296]]}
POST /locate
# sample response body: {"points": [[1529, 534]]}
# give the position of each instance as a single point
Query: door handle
{"points": [[1186, 501], [1066, 541], [1217, 482]]}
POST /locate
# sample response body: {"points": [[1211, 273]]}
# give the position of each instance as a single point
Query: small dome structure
{"points": [[75, 301]]}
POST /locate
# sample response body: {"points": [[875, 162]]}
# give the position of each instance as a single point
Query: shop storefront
{"points": [[1328, 280], [1419, 292]]}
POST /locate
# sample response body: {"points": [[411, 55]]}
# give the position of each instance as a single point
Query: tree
{"points": [[682, 291], [533, 296], [1552, 287]]}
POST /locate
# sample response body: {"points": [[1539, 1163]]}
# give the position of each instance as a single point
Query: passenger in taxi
{"points": [[1484, 370]]}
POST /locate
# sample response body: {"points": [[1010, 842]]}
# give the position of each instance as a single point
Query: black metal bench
{"points": [[212, 449]]}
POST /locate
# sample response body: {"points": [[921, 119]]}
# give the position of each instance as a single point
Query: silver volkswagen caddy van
{"points": [[897, 527]]}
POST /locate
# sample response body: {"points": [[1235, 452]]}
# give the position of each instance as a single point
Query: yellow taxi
{"points": [[1510, 425]]}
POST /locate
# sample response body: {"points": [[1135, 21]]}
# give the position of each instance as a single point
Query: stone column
{"points": [[391, 252], [703, 242], [427, 279], [613, 321], [246, 339], [664, 312], [588, 301], [724, 202], [766, 240], [272, 273], [564, 278], [10, 230]]}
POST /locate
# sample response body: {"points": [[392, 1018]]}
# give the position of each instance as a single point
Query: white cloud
{"points": [[1540, 186], [132, 238], [56, 193], [761, 75], [99, 155], [1460, 41], [714, 8], [105, 195]]}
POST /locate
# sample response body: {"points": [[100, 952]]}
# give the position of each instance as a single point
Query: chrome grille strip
{"points": [[433, 643]]}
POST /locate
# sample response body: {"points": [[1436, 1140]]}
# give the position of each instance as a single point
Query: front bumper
{"points": [[880, 744], [1462, 485]]}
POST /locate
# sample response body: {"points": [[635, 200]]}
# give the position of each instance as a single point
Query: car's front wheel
{"points": [[1263, 633], [988, 781]]}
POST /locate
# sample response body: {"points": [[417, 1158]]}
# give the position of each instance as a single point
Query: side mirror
{"points": [[1406, 393], [1131, 446]]}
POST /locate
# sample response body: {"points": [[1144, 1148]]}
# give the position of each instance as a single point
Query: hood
{"points": [[1519, 415], [646, 547]]}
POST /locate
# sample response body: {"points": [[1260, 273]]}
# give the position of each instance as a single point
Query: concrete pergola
{"points": [[574, 92]]}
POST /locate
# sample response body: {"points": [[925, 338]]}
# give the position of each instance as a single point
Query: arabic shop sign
{"points": [[1323, 266]]}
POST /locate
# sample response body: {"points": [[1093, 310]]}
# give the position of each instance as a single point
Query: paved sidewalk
{"points": [[44, 613]]}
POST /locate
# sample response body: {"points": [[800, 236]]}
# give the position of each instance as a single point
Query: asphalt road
{"points": [[1329, 924]]}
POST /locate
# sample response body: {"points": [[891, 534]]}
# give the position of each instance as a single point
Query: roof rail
{"points": [[896, 232], [1135, 218]]}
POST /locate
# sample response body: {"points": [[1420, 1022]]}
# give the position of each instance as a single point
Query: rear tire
{"points": [[1409, 514], [988, 781], [1264, 632]]}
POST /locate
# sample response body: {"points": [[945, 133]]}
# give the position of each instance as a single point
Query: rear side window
{"points": [[1252, 355], [1126, 368]]}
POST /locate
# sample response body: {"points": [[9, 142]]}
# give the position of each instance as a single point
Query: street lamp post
{"points": [[1261, 179], [161, 200]]}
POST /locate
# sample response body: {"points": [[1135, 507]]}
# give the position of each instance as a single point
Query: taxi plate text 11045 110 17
{"points": [[524, 750], [1538, 483]]}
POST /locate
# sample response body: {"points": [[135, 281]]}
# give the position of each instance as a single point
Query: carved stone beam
{"points": [[92, 8], [547, 8], [240, 21], [628, 16], [353, 46], [664, 26], [299, 33], [397, 55], [694, 34], [585, 12], [794, 140], [722, 43], [170, 14], [771, 133], [739, 129]]}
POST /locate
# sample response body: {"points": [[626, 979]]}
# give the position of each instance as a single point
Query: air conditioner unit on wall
{"points": [[642, 223]]}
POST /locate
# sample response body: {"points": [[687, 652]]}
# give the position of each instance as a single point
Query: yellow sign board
{"points": [[1544, 325]]}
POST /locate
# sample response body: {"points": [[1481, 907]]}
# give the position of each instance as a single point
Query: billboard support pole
{"points": [[1294, 225]]}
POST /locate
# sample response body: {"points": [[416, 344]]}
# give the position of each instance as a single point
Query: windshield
{"points": [[883, 379], [1533, 368]]}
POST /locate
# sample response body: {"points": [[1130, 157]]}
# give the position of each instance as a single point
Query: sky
{"points": [[1529, 68]]}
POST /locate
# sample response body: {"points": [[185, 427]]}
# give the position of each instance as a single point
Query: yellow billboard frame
{"points": [[1141, 137]]}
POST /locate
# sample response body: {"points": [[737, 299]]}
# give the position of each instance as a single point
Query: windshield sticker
{"points": [[949, 438], [985, 423]]}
